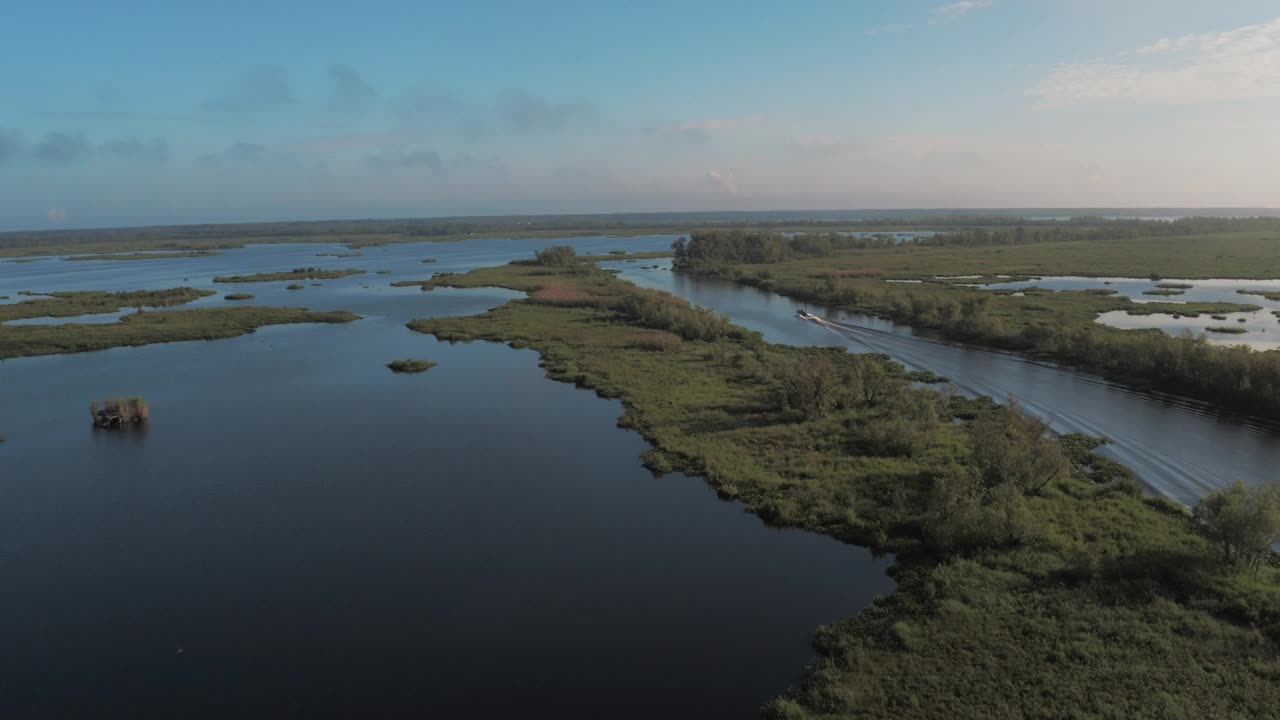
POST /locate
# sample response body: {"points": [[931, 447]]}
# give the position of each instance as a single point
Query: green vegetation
{"points": [[1056, 325], [340, 255], [1032, 575], [294, 274], [411, 366], [294, 286], [239, 296], [1174, 286], [430, 260], [559, 256], [145, 328], [1218, 317], [1226, 329], [144, 256], [92, 302], [1163, 291], [1244, 521], [927, 377], [1268, 294]]}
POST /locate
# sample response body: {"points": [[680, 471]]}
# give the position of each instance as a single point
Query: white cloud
{"points": [[957, 10], [1239, 64], [723, 181]]}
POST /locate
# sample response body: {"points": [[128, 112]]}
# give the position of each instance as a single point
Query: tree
{"points": [[1011, 447], [813, 386], [557, 256], [1243, 520]]}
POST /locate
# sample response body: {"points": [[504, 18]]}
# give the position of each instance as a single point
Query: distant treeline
{"points": [[709, 249], [671, 222], [1085, 228]]}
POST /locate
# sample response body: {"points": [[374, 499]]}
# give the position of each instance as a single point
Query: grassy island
{"points": [[1226, 329], [91, 302], [410, 366], [140, 328], [1164, 291], [1272, 295], [294, 274], [239, 296], [145, 255], [1033, 575]]}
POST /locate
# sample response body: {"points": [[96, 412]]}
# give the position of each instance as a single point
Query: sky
{"points": [[140, 113]]}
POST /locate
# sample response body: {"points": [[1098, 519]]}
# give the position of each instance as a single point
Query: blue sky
{"points": [[133, 112]]}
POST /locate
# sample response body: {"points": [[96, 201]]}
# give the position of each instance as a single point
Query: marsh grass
{"points": [[1226, 329], [239, 296]]}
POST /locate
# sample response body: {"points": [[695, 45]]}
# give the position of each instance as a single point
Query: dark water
{"points": [[301, 533], [1178, 447]]}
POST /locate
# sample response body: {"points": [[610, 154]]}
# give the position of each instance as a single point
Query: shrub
{"points": [[557, 256]]}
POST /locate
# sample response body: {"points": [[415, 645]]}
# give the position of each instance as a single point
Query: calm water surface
{"points": [[301, 533]]}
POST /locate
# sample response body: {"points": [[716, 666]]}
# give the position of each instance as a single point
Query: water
{"points": [[1178, 447], [301, 533], [1263, 325]]}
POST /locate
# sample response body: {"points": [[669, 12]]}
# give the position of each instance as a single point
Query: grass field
{"points": [[1086, 599]]}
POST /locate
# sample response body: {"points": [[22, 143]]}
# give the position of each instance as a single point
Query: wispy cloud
{"points": [[701, 130], [260, 88], [59, 148], [526, 112], [1239, 64], [421, 105], [820, 145], [10, 145], [412, 160], [132, 149], [349, 92], [957, 10], [723, 181]]}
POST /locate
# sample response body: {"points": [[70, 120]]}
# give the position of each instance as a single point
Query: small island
{"points": [[119, 412], [410, 366], [239, 296], [307, 273]]}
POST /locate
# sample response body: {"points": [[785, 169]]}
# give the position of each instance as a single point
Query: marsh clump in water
{"points": [[410, 365]]}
